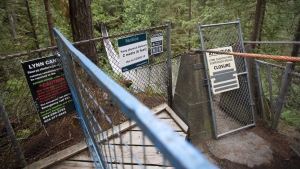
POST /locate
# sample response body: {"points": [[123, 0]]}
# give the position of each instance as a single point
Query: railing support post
{"points": [[261, 94], [285, 84], [169, 64], [11, 134]]}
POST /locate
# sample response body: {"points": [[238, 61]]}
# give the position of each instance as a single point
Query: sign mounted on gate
{"points": [[133, 52], [222, 70], [156, 44]]}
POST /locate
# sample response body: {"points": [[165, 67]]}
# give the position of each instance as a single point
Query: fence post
{"points": [[11, 134], [261, 94], [285, 84], [169, 64]]}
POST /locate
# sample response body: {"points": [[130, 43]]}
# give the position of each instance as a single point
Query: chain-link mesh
{"points": [[291, 112], [270, 75], [149, 81], [103, 106], [36, 141], [232, 109], [175, 69]]}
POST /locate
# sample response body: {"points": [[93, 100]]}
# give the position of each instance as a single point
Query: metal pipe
{"points": [[208, 83], [270, 90], [169, 64], [11, 134], [241, 128], [219, 24], [260, 91], [285, 84], [246, 68]]}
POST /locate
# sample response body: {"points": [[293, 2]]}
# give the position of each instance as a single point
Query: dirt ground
{"points": [[60, 134], [284, 152], [66, 132]]}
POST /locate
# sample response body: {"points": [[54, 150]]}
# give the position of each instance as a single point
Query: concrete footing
{"points": [[191, 98]]}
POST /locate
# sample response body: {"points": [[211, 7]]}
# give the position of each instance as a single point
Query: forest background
{"points": [[25, 24]]}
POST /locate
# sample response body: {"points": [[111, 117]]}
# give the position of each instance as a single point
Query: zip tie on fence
{"points": [[257, 56]]}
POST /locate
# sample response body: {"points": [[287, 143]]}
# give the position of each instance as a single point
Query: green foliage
{"points": [[127, 15], [292, 116]]}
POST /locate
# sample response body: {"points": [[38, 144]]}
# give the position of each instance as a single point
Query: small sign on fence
{"points": [[49, 89], [133, 51], [156, 44], [222, 70]]}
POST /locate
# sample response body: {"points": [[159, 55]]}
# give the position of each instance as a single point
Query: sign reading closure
{"points": [[222, 70], [133, 51], [49, 89]]}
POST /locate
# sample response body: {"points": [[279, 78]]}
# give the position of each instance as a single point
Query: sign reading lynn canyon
{"points": [[49, 88]]}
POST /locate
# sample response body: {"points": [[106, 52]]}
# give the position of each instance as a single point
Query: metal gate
{"points": [[231, 110]]}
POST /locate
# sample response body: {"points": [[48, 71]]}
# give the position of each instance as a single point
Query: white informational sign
{"points": [[156, 43], [222, 70], [133, 52]]}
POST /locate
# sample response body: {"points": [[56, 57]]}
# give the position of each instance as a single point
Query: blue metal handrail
{"points": [[179, 152]]}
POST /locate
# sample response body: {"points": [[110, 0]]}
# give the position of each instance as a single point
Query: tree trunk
{"points": [[263, 12], [257, 19], [11, 19], [36, 42], [251, 61], [50, 21], [296, 47], [65, 8], [82, 27], [295, 51]]}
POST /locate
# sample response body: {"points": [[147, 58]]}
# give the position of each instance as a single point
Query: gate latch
{"points": [[205, 82]]}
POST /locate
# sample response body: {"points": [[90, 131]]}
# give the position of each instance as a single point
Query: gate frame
{"points": [[238, 25]]}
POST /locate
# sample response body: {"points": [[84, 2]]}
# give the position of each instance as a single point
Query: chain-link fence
{"points": [[36, 141], [148, 83], [270, 78], [270, 74], [232, 110], [291, 112], [103, 105]]}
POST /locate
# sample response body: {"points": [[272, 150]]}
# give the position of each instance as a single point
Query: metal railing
{"points": [[91, 89], [21, 111], [278, 89]]}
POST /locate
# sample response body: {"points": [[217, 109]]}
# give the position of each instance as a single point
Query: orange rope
{"points": [[259, 56]]}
